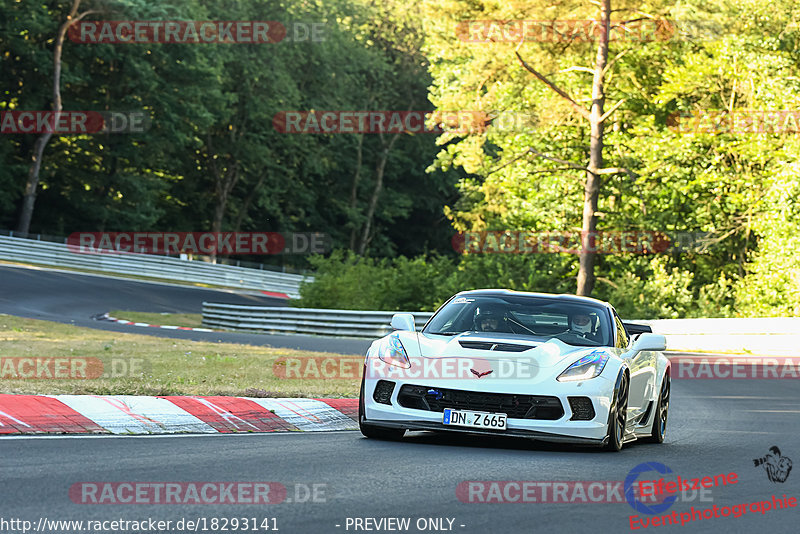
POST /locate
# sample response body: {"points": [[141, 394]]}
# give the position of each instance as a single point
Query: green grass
{"points": [[162, 366]]}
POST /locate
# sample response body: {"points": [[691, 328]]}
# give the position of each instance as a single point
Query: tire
{"points": [[372, 431], [618, 415], [659, 428]]}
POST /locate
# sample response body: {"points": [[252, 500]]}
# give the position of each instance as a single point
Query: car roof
{"points": [[564, 297]]}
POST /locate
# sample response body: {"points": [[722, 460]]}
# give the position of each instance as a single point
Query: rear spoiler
{"points": [[635, 329]]}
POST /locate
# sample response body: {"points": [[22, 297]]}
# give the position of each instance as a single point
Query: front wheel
{"points": [[371, 431], [618, 416], [662, 411]]}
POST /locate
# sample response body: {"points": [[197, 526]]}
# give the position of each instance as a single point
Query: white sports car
{"points": [[549, 367]]}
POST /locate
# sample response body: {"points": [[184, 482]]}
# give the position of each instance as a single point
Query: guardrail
{"points": [[761, 336], [164, 267], [340, 323], [771, 336]]}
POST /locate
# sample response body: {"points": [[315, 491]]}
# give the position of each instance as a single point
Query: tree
{"points": [[32, 183], [596, 115]]}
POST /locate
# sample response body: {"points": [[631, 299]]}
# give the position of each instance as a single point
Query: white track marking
{"points": [[308, 414], [128, 414]]}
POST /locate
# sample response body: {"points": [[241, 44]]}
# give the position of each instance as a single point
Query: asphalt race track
{"points": [[70, 297], [716, 427]]}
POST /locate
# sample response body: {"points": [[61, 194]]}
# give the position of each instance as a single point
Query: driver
{"points": [[489, 320]]}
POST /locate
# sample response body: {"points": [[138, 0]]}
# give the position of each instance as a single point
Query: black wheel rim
{"points": [[664, 404], [622, 409]]}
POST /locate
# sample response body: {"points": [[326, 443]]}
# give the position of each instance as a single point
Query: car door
{"points": [[642, 367]]}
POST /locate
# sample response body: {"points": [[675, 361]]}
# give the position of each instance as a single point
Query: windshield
{"points": [[574, 323]]}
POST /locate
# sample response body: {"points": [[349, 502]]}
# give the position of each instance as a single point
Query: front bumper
{"points": [[562, 429], [516, 433]]}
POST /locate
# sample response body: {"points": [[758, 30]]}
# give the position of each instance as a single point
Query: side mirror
{"points": [[634, 329], [648, 341], [403, 321]]}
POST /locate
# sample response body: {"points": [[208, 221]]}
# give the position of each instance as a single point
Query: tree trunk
{"points": [[225, 180], [380, 168], [373, 201], [591, 191], [354, 189], [219, 213], [32, 184], [29, 198], [247, 202]]}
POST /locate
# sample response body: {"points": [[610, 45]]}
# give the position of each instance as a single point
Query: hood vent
{"points": [[488, 345]]}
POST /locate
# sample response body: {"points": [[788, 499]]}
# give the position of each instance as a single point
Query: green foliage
{"points": [[212, 155], [725, 56], [665, 293], [548, 273], [347, 281], [771, 286]]}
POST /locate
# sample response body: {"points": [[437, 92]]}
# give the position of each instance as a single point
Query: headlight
{"points": [[392, 352], [587, 367]]}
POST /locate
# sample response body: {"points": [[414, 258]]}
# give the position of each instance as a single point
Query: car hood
{"points": [[500, 357], [494, 347], [455, 362]]}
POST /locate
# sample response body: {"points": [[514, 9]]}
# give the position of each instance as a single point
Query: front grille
{"points": [[488, 345], [516, 406], [383, 392], [582, 409]]}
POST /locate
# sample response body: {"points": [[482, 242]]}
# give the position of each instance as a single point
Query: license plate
{"points": [[494, 421]]}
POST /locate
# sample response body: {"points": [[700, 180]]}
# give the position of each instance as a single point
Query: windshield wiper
{"points": [[443, 333]]}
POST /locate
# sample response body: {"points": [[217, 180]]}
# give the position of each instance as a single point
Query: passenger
{"points": [[584, 325]]}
